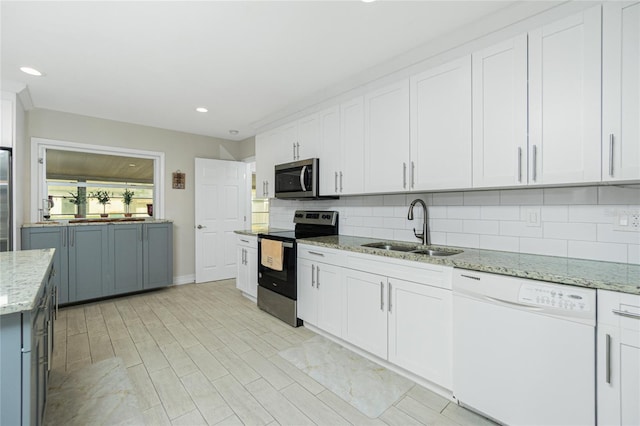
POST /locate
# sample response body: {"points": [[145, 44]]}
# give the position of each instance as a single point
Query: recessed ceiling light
{"points": [[31, 71], [368, 1], [131, 165], [233, 132], [202, 109]]}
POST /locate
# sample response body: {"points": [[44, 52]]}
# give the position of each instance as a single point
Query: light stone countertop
{"points": [[260, 230], [621, 277], [119, 221], [21, 276]]}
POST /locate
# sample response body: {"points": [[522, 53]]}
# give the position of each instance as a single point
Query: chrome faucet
{"points": [[425, 226]]}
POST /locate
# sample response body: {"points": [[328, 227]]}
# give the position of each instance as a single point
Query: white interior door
{"points": [[222, 206]]}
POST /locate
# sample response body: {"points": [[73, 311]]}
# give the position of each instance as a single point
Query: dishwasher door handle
{"points": [[515, 304]]}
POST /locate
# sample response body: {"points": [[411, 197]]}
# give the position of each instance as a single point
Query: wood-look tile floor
{"points": [[204, 354]]}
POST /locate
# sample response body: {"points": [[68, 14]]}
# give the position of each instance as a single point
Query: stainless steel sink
{"points": [[391, 247], [421, 250]]}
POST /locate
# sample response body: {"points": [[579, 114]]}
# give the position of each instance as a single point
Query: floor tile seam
{"points": [[238, 396], [316, 397], [413, 417], [160, 399], [283, 396]]}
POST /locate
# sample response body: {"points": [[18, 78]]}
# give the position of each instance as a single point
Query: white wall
{"points": [[180, 151], [575, 222]]}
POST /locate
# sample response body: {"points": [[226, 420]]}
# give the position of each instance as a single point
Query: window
{"points": [[71, 174]]}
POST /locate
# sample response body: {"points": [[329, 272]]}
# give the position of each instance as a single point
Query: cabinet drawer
{"points": [[619, 309], [320, 254], [248, 241], [422, 273]]}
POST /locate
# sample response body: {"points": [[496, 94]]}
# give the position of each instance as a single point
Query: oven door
{"points": [[297, 180], [282, 282]]}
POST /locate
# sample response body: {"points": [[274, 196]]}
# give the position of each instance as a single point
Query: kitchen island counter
{"points": [[21, 276]]}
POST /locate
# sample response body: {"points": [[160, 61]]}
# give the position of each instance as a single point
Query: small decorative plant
{"points": [[127, 197], [103, 198], [77, 199]]}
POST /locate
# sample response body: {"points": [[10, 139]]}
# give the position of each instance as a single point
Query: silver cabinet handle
{"points": [[64, 237], [404, 175], [201, 227], [340, 181], [298, 150], [470, 277], [316, 253], [389, 297], [267, 191], [244, 241], [336, 181], [72, 238], [625, 314], [611, 155], [413, 178], [381, 295], [535, 163], [318, 277], [313, 275], [608, 359], [519, 164], [264, 188], [294, 150]]}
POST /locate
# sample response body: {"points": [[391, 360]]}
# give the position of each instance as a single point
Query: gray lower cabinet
{"points": [[52, 237], [103, 260], [26, 344]]}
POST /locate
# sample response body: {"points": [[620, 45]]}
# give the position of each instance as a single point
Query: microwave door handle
{"points": [[302, 176]]}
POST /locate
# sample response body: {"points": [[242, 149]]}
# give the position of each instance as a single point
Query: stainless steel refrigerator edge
{"points": [[6, 220]]}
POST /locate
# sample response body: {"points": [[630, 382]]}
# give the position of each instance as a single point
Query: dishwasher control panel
{"points": [[567, 299]]}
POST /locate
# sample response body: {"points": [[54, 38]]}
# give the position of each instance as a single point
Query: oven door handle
{"points": [[284, 243], [302, 176]]}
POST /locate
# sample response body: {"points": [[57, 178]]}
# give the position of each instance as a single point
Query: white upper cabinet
{"points": [[386, 138], [307, 144], [500, 114], [351, 173], [330, 150], [7, 123], [565, 100], [621, 91], [441, 127], [265, 163]]}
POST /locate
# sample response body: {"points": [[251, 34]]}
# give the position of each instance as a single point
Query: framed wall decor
{"points": [[179, 179]]}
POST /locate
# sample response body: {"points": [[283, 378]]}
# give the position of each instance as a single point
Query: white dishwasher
{"points": [[524, 350]]}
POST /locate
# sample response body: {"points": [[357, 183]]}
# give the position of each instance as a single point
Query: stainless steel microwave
{"points": [[297, 180]]}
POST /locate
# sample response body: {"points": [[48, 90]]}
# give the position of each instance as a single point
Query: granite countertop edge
{"points": [[620, 277], [122, 221], [259, 230], [21, 276]]}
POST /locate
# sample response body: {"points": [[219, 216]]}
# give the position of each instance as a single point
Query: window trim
{"points": [[39, 147]]}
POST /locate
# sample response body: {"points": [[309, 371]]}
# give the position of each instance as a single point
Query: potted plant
{"points": [[103, 198], [127, 197], [77, 199]]}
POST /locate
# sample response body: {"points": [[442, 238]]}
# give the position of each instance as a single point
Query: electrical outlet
{"points": [[627, 220]]}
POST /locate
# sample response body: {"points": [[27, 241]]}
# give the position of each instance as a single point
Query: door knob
{"points": [[201, 227]]}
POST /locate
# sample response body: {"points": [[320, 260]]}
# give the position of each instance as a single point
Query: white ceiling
{"points": [[153, 63]]}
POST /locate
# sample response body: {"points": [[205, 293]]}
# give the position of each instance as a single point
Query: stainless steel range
{"points": [[277, 281]]}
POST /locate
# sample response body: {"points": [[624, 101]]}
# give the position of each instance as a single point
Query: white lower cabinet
{"points": [[399, 311], [618, 369], [247, 262]]}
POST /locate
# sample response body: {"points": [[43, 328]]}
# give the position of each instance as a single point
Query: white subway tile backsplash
{"points": [[609, 252], [463, 240], [633, 253], [590, 214], [489, 227], [520, 229], [445, 225], [404, 235], [373, 200], [395, 223], [396, 199], [501, 243], [555, 213], [619, 195], [481, 198], [448, 199], [546, 247], [570, 231], [500, 212], [521, 197], [386, 234], [563, 196], [438, 238], [382, 211], [372, 222], [437, 212], [607, 233], [463, 212]]}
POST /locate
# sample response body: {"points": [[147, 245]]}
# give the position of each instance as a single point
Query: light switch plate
{"points": [[531, 216]]}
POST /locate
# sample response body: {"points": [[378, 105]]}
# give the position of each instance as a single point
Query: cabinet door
{"points": [[565, 100], [307, 293], [285, 140], [500, 114], [351, 172], [441, 127], [330, 157], [329, 286], [621, 91], [52, 237], [307, 143], [157, 255], [7, 117], [241, 275], [265, 163], [90, 275], [386, 136], [364, 314], [125, 243], [251, 266], [420, 330]]}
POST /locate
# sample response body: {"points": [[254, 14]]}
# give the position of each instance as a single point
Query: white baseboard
{"points": [[184, 279]]}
